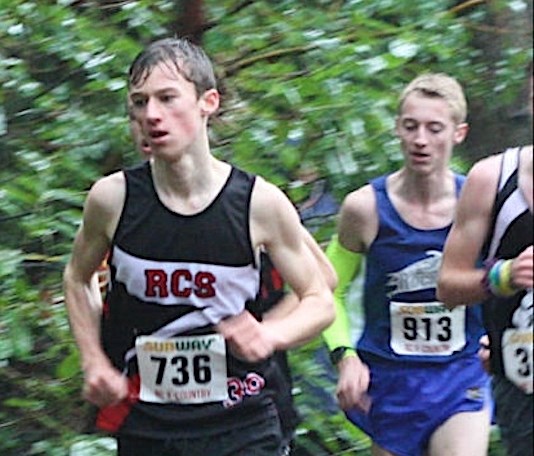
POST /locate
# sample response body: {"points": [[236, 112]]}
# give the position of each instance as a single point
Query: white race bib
{"points": [[426, 329], [517, 357], [183, 370]]}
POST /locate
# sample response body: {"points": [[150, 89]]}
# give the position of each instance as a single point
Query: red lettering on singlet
{"points": [[181, 283], [156, 279], [204, 285]]}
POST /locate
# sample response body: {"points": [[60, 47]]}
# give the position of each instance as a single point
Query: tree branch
{"points": [[234, 68], [463, 6]]}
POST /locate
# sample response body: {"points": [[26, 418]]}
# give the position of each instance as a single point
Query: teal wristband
{"points": [[499, 279]]}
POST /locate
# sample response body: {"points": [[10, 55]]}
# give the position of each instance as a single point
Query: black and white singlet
{"points": [[509, 320], [173, 277]]}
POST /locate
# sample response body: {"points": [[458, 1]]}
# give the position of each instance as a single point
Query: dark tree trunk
{"points": [[191, 20], [495, 123]]}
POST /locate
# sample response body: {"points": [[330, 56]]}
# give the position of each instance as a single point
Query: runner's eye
{"points": [[167, 98], [436, 127], [409, 125], [139, 102]]}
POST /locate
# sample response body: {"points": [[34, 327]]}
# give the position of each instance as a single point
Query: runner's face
{"points": [[427, 133], [171, 116]]}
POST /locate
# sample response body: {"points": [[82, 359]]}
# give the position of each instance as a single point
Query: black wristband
{"points": [[338, 353]]}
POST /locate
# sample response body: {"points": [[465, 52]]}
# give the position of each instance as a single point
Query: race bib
{"points": [[426, 329], [183, 370], [517, 357]]}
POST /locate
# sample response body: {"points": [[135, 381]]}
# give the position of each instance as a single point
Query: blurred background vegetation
{"points": [[307, 85]]}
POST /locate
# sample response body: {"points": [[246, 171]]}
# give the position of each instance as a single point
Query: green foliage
{"points": [[324, 430], [309, 84], [320, 86]]}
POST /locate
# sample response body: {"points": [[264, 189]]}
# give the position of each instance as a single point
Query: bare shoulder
{"points": [[104, 202], [478, 193], [268, 200], [272, 213], [526, 160], [358, 222], [486, 170], [108, 190], [359, 203], [482, 179], [265, 191]]}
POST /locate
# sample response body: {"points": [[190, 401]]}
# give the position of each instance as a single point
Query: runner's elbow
{"points": [[331, 279], [329, 311]]}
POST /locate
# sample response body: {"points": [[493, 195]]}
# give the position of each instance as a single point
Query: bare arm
{"points": [[460, 280], [276, 226], [290, 301], [324, 264], [358, 226], [358, 223], [295, 258], [103, 384]]}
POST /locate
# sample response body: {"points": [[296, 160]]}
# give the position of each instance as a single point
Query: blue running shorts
{"points": [[411, 400]]}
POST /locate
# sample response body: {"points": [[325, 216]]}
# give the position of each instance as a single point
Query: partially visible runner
{"points": [[488, 257], [175, 359], [274, 301], [414, 383]]}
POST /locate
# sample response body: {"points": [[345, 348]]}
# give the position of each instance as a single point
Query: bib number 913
{"points": [[426, 328], [423, 329]]}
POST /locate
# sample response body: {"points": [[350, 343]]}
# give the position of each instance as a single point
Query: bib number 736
{"points": [[181, 369], [185, 370]]}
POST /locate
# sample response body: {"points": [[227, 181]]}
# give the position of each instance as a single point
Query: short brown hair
{"points": [[187, 58]]}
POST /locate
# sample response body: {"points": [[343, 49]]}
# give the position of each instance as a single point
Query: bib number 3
{"points": [[517, 357], [184, 370]]}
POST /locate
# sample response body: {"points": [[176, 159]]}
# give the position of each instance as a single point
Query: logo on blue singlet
{"points": [[421, 275]]}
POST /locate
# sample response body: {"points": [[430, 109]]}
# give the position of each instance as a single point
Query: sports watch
{"points": [[339, 353]]}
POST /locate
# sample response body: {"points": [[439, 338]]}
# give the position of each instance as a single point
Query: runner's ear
{"points": [[209, 102]]}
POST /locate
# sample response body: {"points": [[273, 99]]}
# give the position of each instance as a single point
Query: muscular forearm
{"points": [[103, 384], [84, 309], [457, 288], [303, 322], [283, 308], [252, 340]]}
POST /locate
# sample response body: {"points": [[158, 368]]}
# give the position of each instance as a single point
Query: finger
{"points": [[364, 403]]}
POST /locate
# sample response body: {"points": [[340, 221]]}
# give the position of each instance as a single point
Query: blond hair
{"points": [[439, 85]]}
